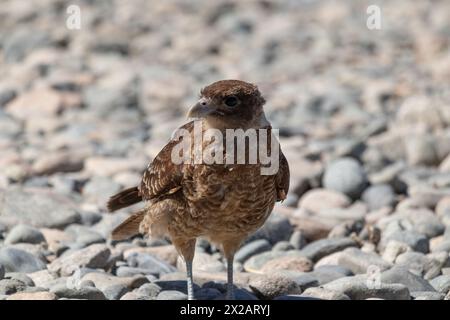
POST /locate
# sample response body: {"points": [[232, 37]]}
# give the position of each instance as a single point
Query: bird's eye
{"points": [[231, 101]]}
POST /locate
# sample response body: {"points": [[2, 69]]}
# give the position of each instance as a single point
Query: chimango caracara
{"points": [[221, 201]]}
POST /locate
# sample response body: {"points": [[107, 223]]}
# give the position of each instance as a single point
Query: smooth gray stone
{"points": [[24, 234], [359, 288], [252, 248], [15, 260], [324, 247], [402, 275], [171, 295], [345, 175]]}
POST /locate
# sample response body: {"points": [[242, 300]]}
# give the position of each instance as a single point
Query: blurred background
{"points": [[101, 100], [364, 113]]}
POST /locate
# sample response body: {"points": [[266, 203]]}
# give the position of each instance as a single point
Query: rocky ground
{"points": [[364, 118]]}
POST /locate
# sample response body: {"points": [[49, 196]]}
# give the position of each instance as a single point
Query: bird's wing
{"points": [[163, 176], [282, 178]]}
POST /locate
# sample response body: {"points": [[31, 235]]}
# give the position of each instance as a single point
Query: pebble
{"points": [[441, 283], [275, 229], [283, 246], [24, 234], [321, 248], [443, 206], [90, 218], [303, 279], [42, 295], [421, 150], [21, 277], [297, 240], [125, 271], [10, 286], [171, 295], [7, 96], [15, 260], [252, 248], [20, 43], [427, 295], [242, 294], [394, 249], [155, 265], [423, 221], [108, 223], [317, 200], [57, 239], [94, 256], [85, 292], [443, 246], [163, 252], [87, 238], [324, 294], [42, 278], [256, 262], [39, 209], [208, 294], [174, 285], [150, 290], [61, 161], [346, 229], [293, 263], [401, 275], [379, 196], [134, 296], [202, 262], [294, 297], [345, 175], [98, 188], [359, 261], [103, 280], [415, 240], [271, 286], [328, 273], [420, 264], [330, 260], [358, 288], [115, 291]]}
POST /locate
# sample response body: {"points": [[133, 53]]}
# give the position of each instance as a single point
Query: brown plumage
{"points": [[222, 202], [124, 199]]}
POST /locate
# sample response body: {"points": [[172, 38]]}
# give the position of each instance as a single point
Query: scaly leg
{"points": [[190, 280], [187, 250], [230, 246], [230, 287]]}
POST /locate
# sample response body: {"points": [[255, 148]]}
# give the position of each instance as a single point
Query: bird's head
{"points": [[230, 104]]}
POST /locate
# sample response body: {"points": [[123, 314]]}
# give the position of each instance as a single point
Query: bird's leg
{"points": [[187, 249], [190, 280], [230, 246], [230, 287]]}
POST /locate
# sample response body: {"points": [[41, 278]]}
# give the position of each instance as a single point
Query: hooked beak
{"points": [[200, 110]]}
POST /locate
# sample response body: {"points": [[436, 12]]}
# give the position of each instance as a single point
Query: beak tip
{"points": [[200, 110]]}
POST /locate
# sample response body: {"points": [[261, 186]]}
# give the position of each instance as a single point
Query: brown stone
{"points": [[35, 103], [320, 199], [167, 253], [294, 263], [42, 295], [94, 256]]}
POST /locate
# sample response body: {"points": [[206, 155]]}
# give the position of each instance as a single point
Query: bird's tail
{"points": [[124, 199], [129, 227]]}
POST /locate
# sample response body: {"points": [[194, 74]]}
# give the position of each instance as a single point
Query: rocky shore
{"points": [[364, 119]]}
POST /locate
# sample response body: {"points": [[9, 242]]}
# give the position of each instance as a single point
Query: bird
{"points": [[222, 202]]}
